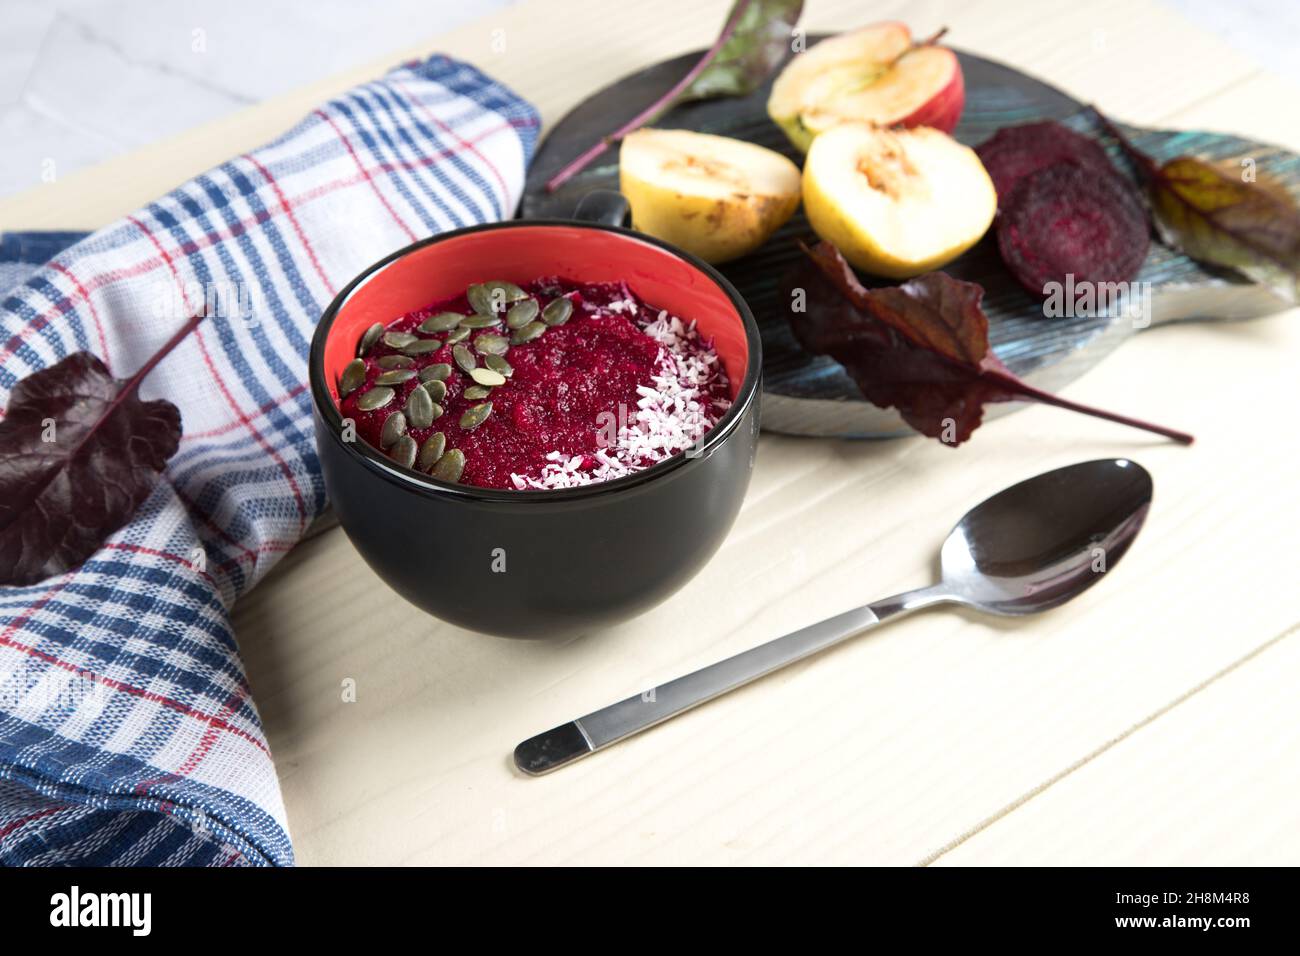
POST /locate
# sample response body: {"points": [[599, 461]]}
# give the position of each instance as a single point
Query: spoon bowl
{"points": [[1045, 540]]}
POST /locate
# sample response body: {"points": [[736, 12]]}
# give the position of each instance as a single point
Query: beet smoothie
{"points": [[549, 385]]}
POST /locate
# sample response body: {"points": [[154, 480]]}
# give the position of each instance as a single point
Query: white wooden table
{"points": [[1155, 720]]}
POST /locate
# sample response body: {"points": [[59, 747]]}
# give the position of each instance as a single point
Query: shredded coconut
{"points": [[675, 409]]}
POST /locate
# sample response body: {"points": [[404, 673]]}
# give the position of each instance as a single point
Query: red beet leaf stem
{"points": [[133, 383], [1047, 398], [651, 111], [1145, 163], [190, 325]]}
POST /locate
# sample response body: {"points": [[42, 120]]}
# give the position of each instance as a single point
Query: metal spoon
{"points": [[1029, 548]]}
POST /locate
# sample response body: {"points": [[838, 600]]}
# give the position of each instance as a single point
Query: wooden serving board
{"points": [[812, 395]]}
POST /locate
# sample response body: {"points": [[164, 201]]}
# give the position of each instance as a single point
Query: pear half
{"points": [[896, 203], [713, 196]]}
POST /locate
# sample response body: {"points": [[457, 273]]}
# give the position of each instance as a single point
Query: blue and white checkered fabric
{"points": [[127, 733]]}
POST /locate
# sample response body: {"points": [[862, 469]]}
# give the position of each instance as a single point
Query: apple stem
{"points": [[939, 35], [655, 108], [1047, 398]]}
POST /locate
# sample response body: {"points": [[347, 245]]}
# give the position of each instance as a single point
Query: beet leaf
{"points": [[921, 347], [1222, 218], [79, 452]]}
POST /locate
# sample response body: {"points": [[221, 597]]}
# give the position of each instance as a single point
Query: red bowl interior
{"points": [[526, 252]]}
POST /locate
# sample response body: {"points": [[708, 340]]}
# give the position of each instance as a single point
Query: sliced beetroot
{"points": [[1070, 219], [1014, 152]]}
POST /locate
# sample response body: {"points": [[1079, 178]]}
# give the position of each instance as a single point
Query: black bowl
{"points": [[539, 563]]}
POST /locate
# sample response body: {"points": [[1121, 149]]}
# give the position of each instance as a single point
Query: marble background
{"points": [[84, 80]]}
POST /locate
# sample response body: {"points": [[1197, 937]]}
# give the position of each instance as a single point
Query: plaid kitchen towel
{"points": [[127, 733]]}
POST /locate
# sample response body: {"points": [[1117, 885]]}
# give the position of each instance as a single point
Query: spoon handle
{"points": [[599, 729]]}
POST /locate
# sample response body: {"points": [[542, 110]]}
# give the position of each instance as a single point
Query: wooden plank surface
{"points": [[1213, 755], [944, 737]]}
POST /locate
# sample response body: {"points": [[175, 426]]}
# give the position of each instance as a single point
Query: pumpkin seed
{"points": [[436, 388], [557, 311], [511, 291], [422, 347], [493, 296], [404, 451], [480, 299], [353, 377], [396, 361], [375, 398], [437, 372], [485, 376], [450, 466], [478, 321], [498, 364], [492, 344], [419, 408], [396, 377], [431, 451], [521, 313], [394, 428], [529, 332], [464, 358], [458, 335], [475, 416], [398, 340], [438, 411], [369, 338], [442, 322], [475, 392]]}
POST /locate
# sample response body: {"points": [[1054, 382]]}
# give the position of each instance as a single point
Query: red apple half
{"points": [[877, 74]]}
